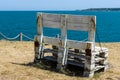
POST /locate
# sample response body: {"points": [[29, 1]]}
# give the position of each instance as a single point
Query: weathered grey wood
{"points": [[39, 49], [81, 23], [40, 34], [51, 20], [98, 67], [79, 57], [64, 38], [91, 32], [103, 52], [79, 19], [77, 44], [78, 26], [98, 59], [21, 36], [101, 49], [73, 22], [89, 62], [51, 17], [52, 24], [50, 40], [39, 24], [62, 53], [36, 49]]}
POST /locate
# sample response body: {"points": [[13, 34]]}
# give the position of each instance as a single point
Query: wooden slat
{"points": [[101, 49], [98, 67], [80, 56], [79, 22], [51, 24], [98, 59], [77, 44], [51, 20], [50, 40], [78, 26], [78, 19], [51, 17]]}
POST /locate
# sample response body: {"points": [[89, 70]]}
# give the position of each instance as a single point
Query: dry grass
{"points": [[14, 54]]}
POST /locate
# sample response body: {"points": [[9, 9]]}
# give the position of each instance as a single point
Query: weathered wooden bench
{"points": [[80, 53]]}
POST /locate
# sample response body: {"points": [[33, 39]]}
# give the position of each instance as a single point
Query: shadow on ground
{"points": [[51, 66]]}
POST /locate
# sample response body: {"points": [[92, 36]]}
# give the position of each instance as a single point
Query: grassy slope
{"points": [[13, 56]]}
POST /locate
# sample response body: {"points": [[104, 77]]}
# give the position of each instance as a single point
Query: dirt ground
{"points": [[15, 59]]}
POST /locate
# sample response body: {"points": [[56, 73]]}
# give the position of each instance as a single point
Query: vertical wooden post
{"points": [[90, 57], [40, 33], [39, 24], [38, 39], [36, 49], [20, 36], [89, 62], [91, 32], [62, 53]]}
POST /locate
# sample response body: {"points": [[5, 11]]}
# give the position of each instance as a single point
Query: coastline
{"points": [[15, 54]]}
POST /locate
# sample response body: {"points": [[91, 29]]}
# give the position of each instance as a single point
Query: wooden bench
{"points": [[90, 57]]}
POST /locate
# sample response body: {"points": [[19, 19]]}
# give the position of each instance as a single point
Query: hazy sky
{"points": [[57, 4]]}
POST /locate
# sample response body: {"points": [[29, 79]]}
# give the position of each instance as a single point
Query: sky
{"points": [[57, 4]]}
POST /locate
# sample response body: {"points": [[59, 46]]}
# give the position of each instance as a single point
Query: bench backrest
{"points": [[67, 22]]}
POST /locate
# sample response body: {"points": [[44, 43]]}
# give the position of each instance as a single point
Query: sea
{"points": [[15, 22]]}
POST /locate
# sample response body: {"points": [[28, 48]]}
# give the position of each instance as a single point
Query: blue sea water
{"points": [[15, 22]]}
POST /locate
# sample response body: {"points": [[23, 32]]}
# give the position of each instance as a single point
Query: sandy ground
{"points": [[14, 55]]}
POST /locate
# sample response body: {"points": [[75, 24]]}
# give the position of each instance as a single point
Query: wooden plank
{"points": [[51, 20], [98, 67], [79, 22], [51, 17], [98, 59], [51, 24], [78, 26], [77, 44], [50, 40], [80, 57], [78, 19], [101, 49]]}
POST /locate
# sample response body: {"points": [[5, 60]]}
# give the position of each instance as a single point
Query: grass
{"points": [[16, 63]]}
